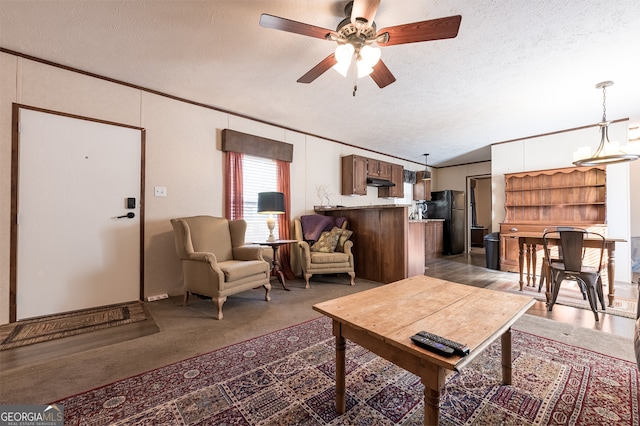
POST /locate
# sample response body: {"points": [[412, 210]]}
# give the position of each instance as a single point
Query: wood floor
{"points": [[466, 269], [470, 269]]}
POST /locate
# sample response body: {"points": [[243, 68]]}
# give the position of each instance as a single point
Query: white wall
{"points": [[182, 154], [556, 151], [455, 177]]}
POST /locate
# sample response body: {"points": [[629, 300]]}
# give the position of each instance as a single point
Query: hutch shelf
{"points": [[573, 196]]}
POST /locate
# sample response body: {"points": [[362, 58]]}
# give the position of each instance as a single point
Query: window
{"points": [[258, 175]]}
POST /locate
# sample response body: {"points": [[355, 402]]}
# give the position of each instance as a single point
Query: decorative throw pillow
{"points": [[343, 239], [327, 241]]}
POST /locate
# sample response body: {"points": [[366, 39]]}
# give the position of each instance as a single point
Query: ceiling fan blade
{"points": [[434, 29], [365, 9], [283, 24], [381, 75], [319, 69]]}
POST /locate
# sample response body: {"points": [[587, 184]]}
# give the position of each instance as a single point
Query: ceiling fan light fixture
{"points": [[342, 68], [607, 152], [370, 55], [363, 69], [344, 53]]}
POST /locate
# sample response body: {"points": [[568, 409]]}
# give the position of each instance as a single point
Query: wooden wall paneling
{"points": [[394, 224], [379, 241]]}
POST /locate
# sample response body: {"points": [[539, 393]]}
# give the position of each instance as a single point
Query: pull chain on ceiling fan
{"points": [[357, 38]]}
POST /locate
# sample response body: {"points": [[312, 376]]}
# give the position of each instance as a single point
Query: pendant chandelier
{"points": [[607, 152], [426, 175]]}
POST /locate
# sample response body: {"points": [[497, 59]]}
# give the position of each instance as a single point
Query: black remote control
{"points": [[432, 346], [458, 348]]}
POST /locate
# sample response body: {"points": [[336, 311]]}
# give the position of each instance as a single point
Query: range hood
{"points": [[379, 182]]}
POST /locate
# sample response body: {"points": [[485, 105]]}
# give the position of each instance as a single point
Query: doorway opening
{"points": [[479, 212]]}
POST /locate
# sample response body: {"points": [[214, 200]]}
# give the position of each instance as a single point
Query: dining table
{"points": [[528, 242]]}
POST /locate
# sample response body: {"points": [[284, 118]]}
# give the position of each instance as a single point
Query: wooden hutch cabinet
{"points": [[573, 196]]}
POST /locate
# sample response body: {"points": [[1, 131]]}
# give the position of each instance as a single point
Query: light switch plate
{"points": [[160, 191]]}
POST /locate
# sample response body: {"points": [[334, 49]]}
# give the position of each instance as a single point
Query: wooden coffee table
{"points": [[383, 320]]}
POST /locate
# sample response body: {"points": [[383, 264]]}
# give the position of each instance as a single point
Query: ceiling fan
{"points": [[356, 36]]}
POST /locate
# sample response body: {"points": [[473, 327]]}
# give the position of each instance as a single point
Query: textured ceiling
{"points": [[517, 68]]}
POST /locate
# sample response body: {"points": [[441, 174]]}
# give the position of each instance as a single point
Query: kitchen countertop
{"points": [[372, 206]]}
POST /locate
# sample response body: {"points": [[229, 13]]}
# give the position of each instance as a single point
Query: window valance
{"points": [[255, 145]]}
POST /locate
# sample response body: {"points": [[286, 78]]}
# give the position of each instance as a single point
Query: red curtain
{"points": [[284, 220], [233, 198]]}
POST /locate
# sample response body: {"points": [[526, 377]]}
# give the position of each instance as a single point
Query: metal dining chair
{"points": [[575, 264], [557, 258]]}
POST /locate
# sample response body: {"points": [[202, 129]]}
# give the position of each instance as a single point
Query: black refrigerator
{"points": [[449, 205]]}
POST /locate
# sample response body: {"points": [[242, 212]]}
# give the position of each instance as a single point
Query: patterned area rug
{"points": [[44, 329], [287, 378], [570, 295]]}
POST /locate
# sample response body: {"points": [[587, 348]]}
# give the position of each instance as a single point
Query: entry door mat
{"points": [[287, 378], [53, 327], [570, 295]]}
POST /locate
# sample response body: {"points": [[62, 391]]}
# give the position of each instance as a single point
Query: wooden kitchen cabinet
{"points": [[422, 188], [416, 250], [425, 242], [354, 175], [397, 177], [378, 169], [433, 243]]}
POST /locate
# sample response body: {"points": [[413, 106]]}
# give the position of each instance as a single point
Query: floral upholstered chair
{"points": [[324, 246]]}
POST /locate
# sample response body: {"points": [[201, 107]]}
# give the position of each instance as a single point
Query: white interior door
{"points": [[75, 177]]}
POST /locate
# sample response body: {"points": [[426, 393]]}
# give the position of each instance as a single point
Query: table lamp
{"points": [[271, 203]]}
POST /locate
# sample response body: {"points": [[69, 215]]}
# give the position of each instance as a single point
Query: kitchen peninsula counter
{"points": [[425, 235], [380, 241], [321, 209]]}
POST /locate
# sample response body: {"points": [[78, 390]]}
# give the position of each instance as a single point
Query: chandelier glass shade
{"points": [[607, 152]]}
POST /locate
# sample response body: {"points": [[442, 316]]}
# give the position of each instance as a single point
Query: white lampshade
{"points": [[364, 69], [582, 153], [342, 68], [370, 55], [344, 53], [633, 147]]}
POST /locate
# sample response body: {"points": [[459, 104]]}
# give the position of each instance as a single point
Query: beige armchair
{"points": [[314, 262], [215, 260]]}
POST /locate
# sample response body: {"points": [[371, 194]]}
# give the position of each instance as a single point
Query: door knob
{"points": [[129, 215]]}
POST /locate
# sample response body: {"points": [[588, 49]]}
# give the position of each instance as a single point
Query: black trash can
{"points": [[492, 250]]}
